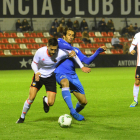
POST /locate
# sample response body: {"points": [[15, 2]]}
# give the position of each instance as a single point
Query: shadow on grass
{"points": [[46, 119]]}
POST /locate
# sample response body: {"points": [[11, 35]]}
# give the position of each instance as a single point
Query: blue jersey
{"points": [[68, 65]]}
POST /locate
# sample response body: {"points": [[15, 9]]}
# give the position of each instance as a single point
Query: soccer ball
{"points": [[65, 120]]}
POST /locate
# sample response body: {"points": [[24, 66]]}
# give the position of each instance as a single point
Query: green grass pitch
{"points": [[109, 92]]}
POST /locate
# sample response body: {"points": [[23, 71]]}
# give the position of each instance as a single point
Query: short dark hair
{"points": [[65, 32], [53, 42]]}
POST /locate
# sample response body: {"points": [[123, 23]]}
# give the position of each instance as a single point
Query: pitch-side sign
{"points": [[69, 8]]}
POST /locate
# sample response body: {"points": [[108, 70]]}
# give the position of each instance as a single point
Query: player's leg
{"points": [[136, 87], [48, 101], [135, 93], [63, 80], [66, 94], [32, 94], [67, 97], [82, 101], [50, 85], [78, 90], [34, 88]]}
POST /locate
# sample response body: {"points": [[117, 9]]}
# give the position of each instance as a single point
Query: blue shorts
{"points": [[75, 84]]}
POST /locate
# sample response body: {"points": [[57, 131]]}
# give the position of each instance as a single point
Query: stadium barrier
{"points": [[24, 62]]}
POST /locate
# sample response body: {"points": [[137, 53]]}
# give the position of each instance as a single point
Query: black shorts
{"points": [[49, 83], [137, 73]]}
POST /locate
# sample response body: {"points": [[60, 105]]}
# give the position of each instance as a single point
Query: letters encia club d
{"points": [[94, 7]]}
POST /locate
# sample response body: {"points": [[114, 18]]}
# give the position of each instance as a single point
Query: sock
{"points": [[79, 107], [46, 100], [26, 107], [67, 97], [135, 92]]}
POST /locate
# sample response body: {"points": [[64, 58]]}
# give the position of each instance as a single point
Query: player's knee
{"points": [[84, 102], [137, 82], [31, 98], [51, 103], [64, 83]]}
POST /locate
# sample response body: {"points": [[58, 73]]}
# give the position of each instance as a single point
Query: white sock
{"points": [[26, 107], [135, 92], [46, 100]]}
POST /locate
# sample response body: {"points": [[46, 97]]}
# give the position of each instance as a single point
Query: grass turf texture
{"points": [[108, 115]]}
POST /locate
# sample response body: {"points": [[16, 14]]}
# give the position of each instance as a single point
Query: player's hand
{"points": [[37, 76], [104, 48], [72, 54], [133, 52], [86, 69]]}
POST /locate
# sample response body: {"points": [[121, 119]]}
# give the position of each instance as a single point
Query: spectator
{"points": [[60, 30], [26, 26], [18, 26], [116, 42], [53, 31], [85, 37], [136, 27], [66, 28], [110, 26], [55, 23], [126, 35], [102, 26], [69, 23], [84, 25], [76, 25], [131, 30], [2, 31], [63, 22], [124, 30]]}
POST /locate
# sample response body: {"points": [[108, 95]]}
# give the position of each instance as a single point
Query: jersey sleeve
{"points": [[85, 59], [78, 61], [64, 45], [134, 42], [35, 61], [135, 39], [65, 54], [36, 56], [79, 53], [34, 67]]}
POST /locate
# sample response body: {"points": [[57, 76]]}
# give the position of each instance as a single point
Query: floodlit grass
{"points": [[108, 115]]}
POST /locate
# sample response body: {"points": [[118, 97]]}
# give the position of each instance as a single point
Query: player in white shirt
{"points": [[44, 63], [136, 42]]}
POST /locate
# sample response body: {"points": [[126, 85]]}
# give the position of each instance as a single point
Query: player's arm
{"points": [[88, 60], [131, 49], [64, 45], [78, 61], [34, 66], [84, 69], [133, 44]]}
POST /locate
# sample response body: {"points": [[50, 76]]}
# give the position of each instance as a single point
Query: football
{"points": [[65, 120]]}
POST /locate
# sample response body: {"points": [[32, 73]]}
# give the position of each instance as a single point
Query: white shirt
{"points": [[136, 41], [115, 41], [42, 61]]}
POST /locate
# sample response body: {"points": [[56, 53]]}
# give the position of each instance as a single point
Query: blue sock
{"points": [[79, 107], [67, 97]]}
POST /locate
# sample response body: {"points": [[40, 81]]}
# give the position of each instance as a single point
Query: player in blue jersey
{"points": [[67, 77]]}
